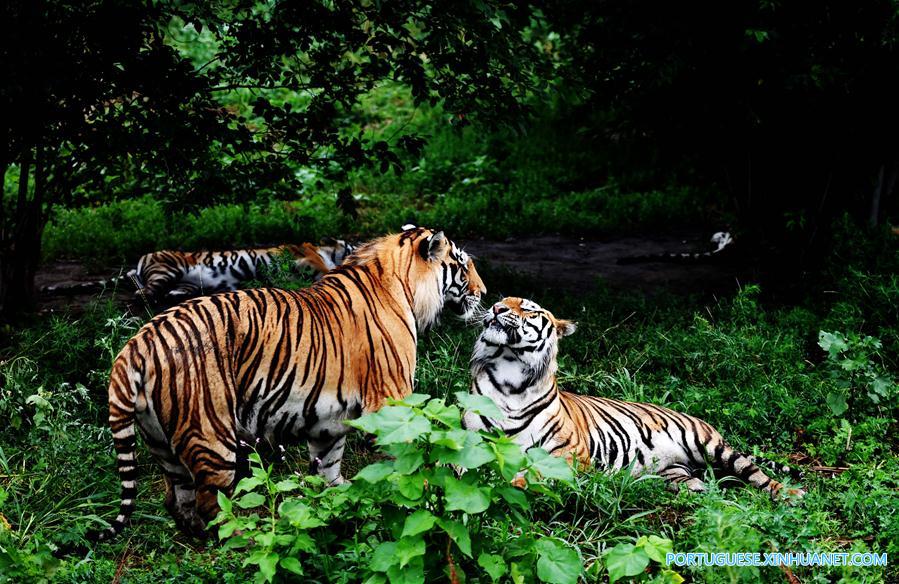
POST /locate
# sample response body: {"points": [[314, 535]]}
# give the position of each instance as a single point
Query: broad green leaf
{"points": [[408, 548], [656, 547], [479, 404], [881, 386], [303, 542], [461, 496], [407, 457], [287, 485], [224, 502], [474, 453], [520, 573], [227, 529], [419, 522], [292, 565], [268, 565], [236, 542], [670, 577], [394, 424], [264, 539], [384, 556], [458, 533], [247, 484], [837, 403], [624, 560], [557, 563], [453, 439], [509, 456], [449, 415], [375, 473], [411, 486], [551, 467], [514, 496], [833, 343], [470, 457], [519, 547], [494, 565], [413, 573], [299, 514], [415, 399], [250, 500]]}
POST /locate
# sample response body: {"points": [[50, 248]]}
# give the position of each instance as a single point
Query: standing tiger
{"points": [[514, 364], [279, 365]]}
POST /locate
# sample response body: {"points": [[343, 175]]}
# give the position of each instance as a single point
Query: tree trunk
{"points": [[874, 213], [20, 253]]}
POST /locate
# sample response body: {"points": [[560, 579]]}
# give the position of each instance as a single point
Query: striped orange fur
{"points": [[514, 363], [179, 275], [278, 365]]}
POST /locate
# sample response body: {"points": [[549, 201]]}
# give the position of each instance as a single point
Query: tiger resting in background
{"points": [[514, 364], [279, 365], [722, 240], [172, 276]]}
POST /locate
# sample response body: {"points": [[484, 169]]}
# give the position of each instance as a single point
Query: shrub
{"points": [[411, 516]]}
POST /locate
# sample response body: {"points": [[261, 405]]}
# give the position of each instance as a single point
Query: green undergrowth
{"points": [[470, 181], [811, 384]]}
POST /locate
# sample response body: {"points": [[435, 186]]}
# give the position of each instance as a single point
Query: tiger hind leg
{"points": [[214, 481], [325, 455], [181, 503], [680, 476], [180, 492], [742, 466]]}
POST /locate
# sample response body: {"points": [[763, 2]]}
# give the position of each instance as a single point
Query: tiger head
{"points": [[436, 272], [524, 329]]}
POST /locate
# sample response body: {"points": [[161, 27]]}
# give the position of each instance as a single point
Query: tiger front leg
{"points": [[325, 456]]}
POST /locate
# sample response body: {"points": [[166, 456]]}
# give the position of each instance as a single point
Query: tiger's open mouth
{"points": [[497, 324]]}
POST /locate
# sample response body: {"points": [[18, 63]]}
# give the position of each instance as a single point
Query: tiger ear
{"points": [[565, 327], [432, 247]]}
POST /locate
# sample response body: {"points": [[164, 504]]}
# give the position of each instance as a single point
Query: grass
{"points": [[752, 369]]}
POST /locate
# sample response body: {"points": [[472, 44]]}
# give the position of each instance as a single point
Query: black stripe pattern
{"points": [[514, 363]]}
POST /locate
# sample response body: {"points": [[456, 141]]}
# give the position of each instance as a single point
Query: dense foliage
{"points": [[782, 110], [130, 127], [772, 378], [409, 516], [120, 110]]}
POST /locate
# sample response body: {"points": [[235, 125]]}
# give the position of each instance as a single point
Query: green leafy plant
{"points": [[446, 501], [282, 273], [630, 560], [861, 383]]}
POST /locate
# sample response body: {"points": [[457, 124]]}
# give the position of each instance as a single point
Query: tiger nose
{"points": [[500, 308]]}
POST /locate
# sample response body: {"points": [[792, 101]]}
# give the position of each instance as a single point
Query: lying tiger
{"points": [[722, 240], [177, 275], [169, 277], [514, 364]]}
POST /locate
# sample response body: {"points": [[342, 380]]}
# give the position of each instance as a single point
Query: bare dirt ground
{"points": [[578, 264], [561, 263]]}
